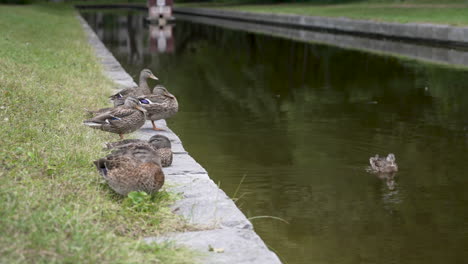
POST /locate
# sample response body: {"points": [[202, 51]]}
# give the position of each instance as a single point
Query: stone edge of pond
{"points": [[221, 224], [420, 32]]}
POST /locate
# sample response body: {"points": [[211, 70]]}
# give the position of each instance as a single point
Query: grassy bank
{"points": [[452, 12], [54, 206]]}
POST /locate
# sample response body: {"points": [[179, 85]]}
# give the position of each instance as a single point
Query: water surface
{"points": [[287, 129]]}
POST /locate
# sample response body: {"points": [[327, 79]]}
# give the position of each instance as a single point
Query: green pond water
{"points": [[287, 128]]}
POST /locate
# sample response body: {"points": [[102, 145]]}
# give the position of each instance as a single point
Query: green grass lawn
{"points": [[55, 208], [453, 12]]}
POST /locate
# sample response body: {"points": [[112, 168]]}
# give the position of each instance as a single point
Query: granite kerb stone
{"points": [[410, 31], [243, 246], [203, 203]]}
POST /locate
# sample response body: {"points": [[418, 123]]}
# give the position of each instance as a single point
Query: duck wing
{"points": [[111, 162], [122, 143], [381, 163], [92, 113], [117, 113], [142, 152], [123, 93], [152, 99]]}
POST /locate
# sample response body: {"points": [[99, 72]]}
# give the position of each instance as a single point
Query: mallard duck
{"points": [[121, 119], [142, 88], [136, 168], [383, 165], [160, 105], [161, 144]]}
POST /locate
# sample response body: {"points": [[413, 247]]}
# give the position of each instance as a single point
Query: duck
{"points": [[135, 168], [142, 88], [383, 164], [121, 119], [159, 105], [159, 143]]}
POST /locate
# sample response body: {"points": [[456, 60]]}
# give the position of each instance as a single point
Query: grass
{"points": [[452, 12], [55, 208]]}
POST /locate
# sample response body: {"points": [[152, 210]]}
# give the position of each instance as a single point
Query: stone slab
{"points": [[238, 244], [424, 32]]}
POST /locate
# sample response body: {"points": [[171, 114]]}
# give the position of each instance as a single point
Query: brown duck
{"points": [[142, 88], [121, 119], [159, 143], [135, 168], [160, 105], [384, 164]]}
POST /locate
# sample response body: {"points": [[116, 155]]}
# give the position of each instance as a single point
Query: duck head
{"points": [[161, 90], [146, 73], [160, 141]]}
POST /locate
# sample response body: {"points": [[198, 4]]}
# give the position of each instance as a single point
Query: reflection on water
{"points": [[390, 190], [161, 39], [300, 122], [438, 54]]}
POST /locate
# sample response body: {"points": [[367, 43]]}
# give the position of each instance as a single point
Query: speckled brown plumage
{"points": [[120, 120], [93, 113], [161, 144], [159, 105], [135, 168], [166, 156]]}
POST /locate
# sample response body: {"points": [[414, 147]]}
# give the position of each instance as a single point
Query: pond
{"points": [[287, 128]]}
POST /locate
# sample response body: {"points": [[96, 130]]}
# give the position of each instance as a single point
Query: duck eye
{"points": [[144, 101]]}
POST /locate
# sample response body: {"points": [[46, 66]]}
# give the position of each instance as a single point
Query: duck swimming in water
{"points": [[384, 164]]}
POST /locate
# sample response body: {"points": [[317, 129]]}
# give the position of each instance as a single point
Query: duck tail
{"points": [[90, 113], [101, 167], [92, 124]]}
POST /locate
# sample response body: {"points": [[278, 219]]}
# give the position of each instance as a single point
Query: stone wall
{"points": [[432, 33]]}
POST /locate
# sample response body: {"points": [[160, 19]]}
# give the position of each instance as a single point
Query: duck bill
{"points": [[153, 77], [141, 109]]}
